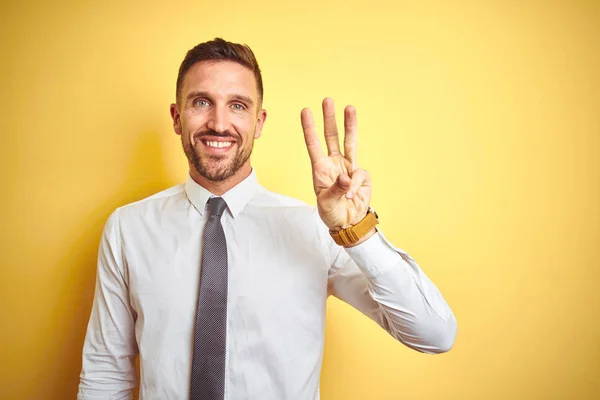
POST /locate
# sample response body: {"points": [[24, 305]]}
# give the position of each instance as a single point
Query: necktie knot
{"points": [[216, 207]]}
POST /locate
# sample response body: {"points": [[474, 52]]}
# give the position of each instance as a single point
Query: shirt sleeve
{"points": [[387, 285], [109, 352]]}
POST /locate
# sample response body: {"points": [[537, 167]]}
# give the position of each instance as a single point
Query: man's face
{"points": [[218, 118]]}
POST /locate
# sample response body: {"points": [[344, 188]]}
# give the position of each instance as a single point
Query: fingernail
{"points": [[349, 195]]}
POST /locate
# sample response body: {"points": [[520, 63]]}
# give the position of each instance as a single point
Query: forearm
{"points": [[108, 366], [110, 349], [90, 394], [109, 352], [412, 308]]}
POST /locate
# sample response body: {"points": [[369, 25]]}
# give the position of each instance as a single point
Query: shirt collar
{"points": [[236, 198]]}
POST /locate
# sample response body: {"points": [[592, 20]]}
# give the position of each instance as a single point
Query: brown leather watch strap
{"points": [[352, 234]]}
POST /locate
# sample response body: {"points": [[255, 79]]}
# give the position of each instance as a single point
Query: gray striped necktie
{"points": [[208, 357]]}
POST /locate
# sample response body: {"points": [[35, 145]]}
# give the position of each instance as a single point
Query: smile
{"points": [[218, 145]]}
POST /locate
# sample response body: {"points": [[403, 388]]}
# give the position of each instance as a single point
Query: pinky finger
{"points": [[360, 178]]}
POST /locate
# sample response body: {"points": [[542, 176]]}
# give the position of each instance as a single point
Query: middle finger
{"points": [[331, 131]]}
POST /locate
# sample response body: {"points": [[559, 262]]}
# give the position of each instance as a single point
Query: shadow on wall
{"points": [[144, 175]]}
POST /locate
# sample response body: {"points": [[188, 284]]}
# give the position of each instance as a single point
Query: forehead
{"points": [[220, 78]]}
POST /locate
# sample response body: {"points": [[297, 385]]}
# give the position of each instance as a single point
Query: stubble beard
{"points": [[217, 169]]}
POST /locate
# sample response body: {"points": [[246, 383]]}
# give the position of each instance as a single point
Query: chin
{"points": [[216, 174]]}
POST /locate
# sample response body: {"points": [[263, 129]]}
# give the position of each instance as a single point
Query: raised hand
{"points": [[343, 190]]}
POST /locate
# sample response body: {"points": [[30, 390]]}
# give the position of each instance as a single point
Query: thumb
{"points": [[340, 187]]}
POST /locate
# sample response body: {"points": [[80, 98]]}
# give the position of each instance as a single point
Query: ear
{"points": [[176, 119], [262, 116]]}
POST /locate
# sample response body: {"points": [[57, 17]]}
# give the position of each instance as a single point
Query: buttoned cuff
{"points": [[376, 256]]}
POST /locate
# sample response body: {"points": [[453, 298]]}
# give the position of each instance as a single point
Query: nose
{"points": [[217, 119]]}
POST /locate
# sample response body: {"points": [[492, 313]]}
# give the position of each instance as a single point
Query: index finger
{"points": [[310, 136]]}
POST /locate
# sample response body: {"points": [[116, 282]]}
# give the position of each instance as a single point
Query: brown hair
{"points": [[221, 50]]}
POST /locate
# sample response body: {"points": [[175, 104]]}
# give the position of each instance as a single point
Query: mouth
{"points": [[217, 146]]}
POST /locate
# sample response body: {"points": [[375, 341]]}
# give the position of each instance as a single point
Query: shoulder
{"points": [[161, 201]]}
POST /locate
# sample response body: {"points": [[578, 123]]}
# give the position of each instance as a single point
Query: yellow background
{"points": [[479, 121]]}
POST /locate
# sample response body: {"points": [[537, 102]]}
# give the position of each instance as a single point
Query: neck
{"points": [[221, 187]]}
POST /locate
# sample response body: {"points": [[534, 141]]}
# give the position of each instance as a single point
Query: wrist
{"points": [[358, 233], [363, 239]]}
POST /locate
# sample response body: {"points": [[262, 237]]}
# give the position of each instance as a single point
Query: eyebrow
{"points": [[239, 97]]}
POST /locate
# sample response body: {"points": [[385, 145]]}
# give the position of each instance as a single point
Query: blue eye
{"points": [[200, 103], [238, 106]]}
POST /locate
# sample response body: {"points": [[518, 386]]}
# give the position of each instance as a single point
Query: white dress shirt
{"points": [[282, 267]]}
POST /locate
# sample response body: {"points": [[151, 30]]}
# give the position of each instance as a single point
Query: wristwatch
{"points": [[352, 234]]}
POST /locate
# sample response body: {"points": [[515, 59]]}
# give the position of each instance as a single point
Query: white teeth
{"points": [[218, 144]]}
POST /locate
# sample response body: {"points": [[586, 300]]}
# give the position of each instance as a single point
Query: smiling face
{"points": [[218, 116]]}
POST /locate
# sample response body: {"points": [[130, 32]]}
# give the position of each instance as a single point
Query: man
{"points": [[220, 285]]}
